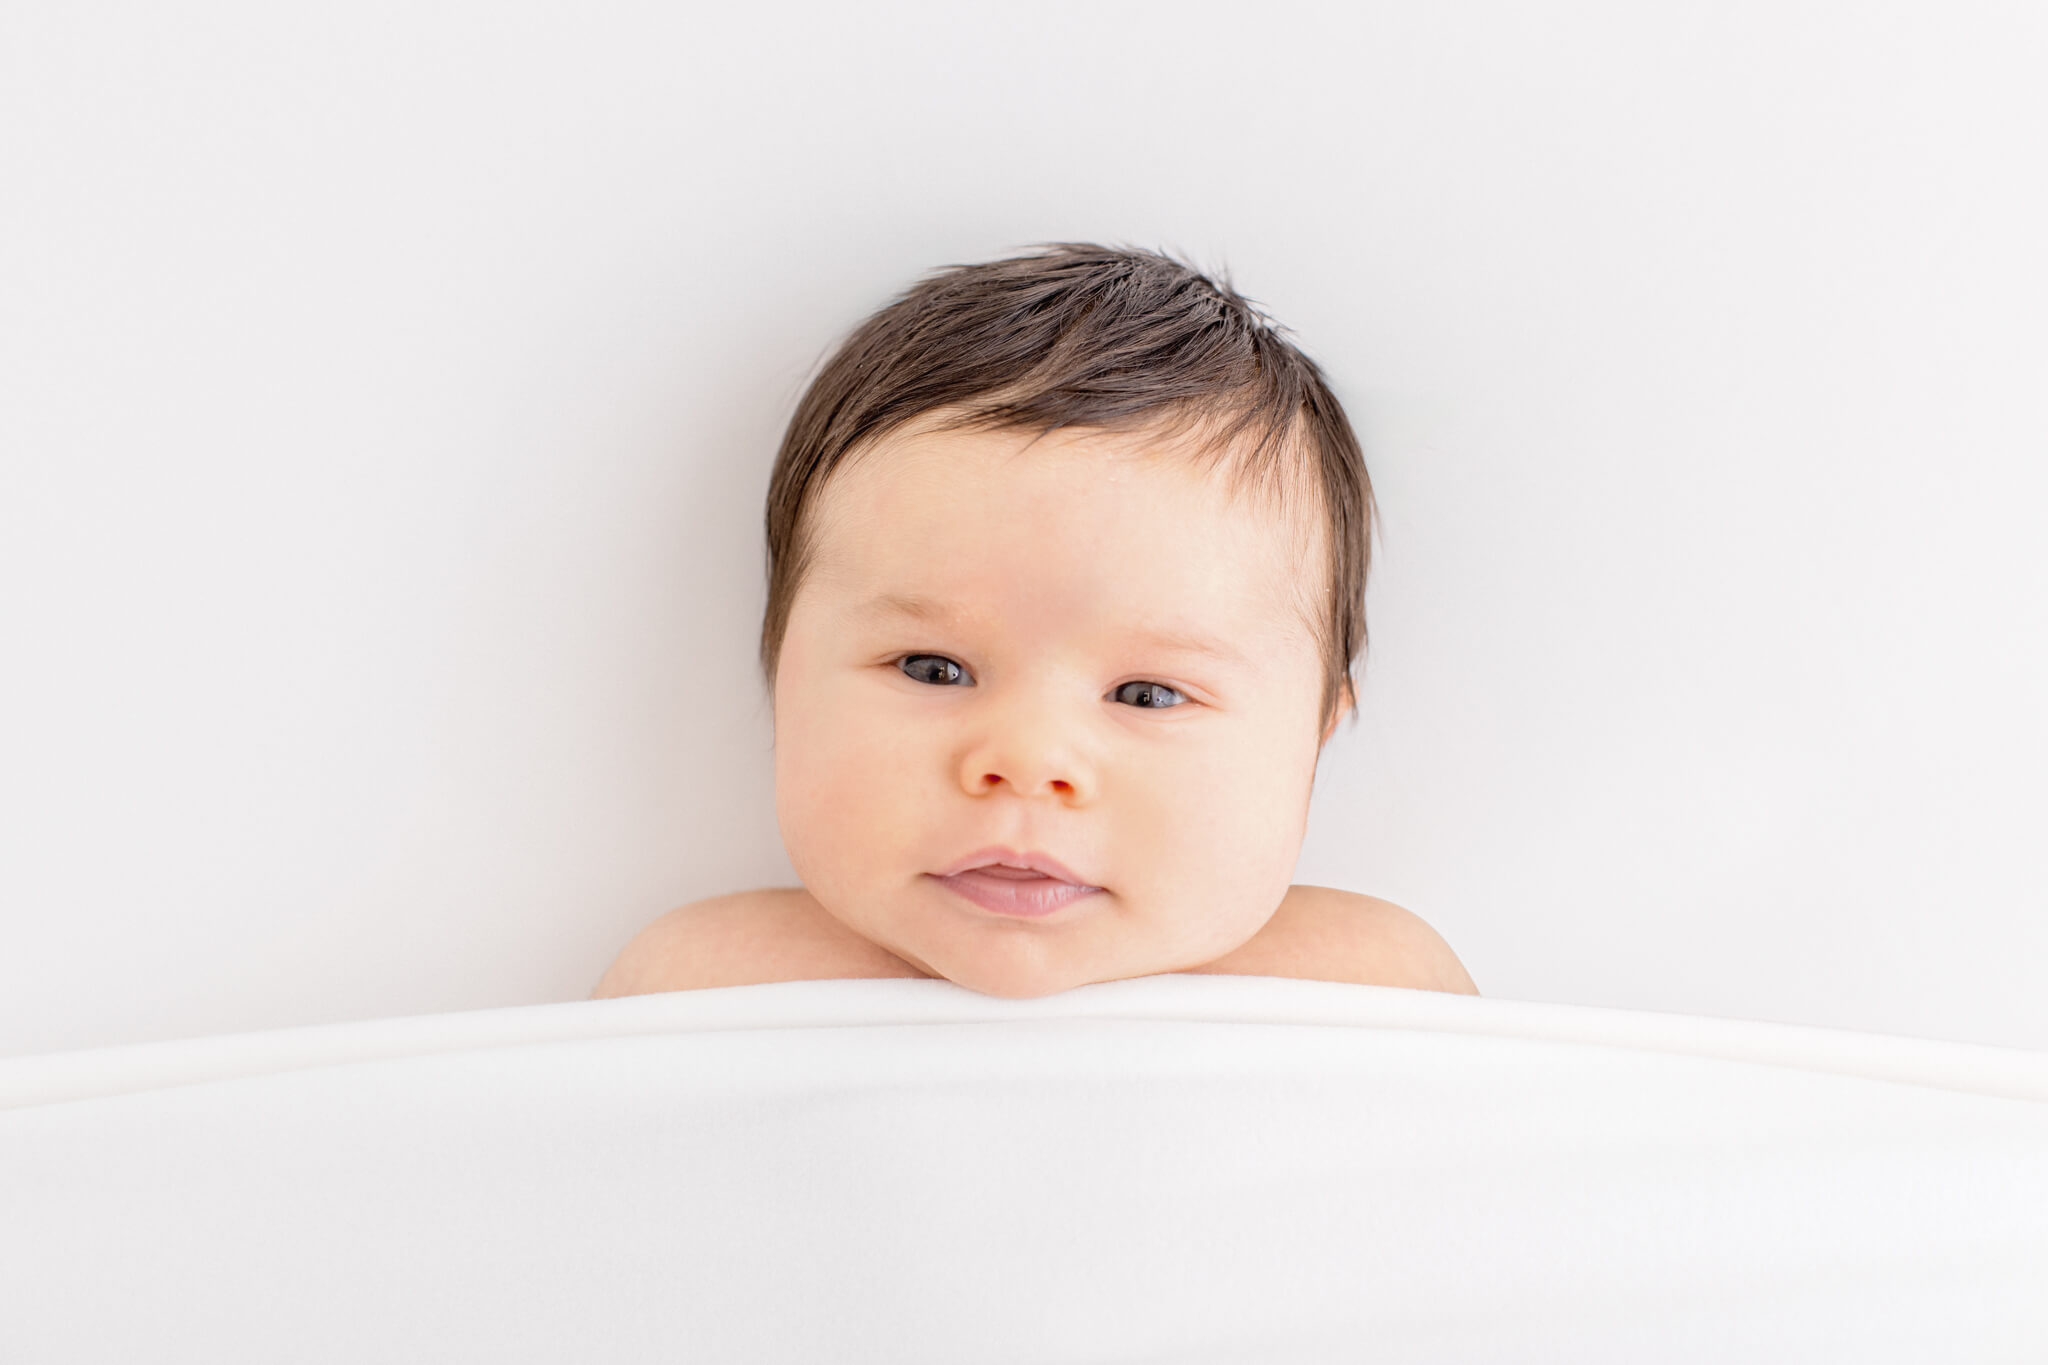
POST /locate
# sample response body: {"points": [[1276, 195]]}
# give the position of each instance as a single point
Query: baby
{"points": [[1066, 575]]}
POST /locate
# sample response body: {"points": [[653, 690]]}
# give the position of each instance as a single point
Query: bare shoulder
{"points": [[1321, 933], [673, 949], [742, 939], [1395, 946]]}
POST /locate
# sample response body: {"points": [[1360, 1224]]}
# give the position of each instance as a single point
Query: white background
{"points": [[390, 393]]}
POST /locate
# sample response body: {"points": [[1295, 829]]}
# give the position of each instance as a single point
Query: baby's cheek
{"points": [[837, 797], [804, 799]]}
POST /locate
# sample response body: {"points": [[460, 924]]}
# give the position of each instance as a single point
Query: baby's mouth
{"points": [[995, 864], [1018, 891]]}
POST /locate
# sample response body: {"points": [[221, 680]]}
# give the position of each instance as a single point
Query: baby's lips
{"points": [[1033, 861]]}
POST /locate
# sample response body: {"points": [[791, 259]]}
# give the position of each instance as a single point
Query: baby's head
{"points": [[1066, 553]]}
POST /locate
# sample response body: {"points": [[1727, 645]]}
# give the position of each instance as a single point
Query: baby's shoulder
{"points": [[1322, 933], [746, 938]]}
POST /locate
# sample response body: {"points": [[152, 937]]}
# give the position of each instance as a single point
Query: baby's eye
{"points": [[1152, 691], [917, 668]]}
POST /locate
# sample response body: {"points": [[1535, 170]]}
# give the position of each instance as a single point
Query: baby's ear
{"points": [[1345, 706]]}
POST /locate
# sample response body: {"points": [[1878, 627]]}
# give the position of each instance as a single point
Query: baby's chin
{"points": [[1019, 986], [1010, 979]]}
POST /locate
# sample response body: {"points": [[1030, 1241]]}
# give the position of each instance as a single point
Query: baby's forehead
{"points": [[889, 549], [1161, 522], [931, 469]]}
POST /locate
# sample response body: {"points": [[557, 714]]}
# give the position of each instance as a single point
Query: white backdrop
{"points": [[390, 392]]}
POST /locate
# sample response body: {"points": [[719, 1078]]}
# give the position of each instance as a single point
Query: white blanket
{"points": [[1171, 1169]]}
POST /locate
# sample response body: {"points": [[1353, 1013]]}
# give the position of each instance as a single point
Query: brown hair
{"points": [[1079, 335]]}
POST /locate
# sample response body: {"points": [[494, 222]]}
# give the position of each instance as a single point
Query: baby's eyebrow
{"points": [[1175, 638]]}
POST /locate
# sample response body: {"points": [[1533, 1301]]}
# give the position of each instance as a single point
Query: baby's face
{"points": [[1031, 710]]}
